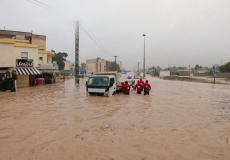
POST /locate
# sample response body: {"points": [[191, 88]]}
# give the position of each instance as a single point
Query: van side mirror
{"points": [[86, 83]]}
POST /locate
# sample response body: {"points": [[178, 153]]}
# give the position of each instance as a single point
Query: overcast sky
{"points": [[179, 32]]}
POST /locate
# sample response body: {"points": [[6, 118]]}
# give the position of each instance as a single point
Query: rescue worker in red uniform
{"points": [[139, 87], [126, 88], [141, 81], [147, 87]]}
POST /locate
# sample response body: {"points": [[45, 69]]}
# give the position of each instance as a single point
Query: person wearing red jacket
{"points": [[141, 81], [126, 88], [139, 87], [147, 87]]}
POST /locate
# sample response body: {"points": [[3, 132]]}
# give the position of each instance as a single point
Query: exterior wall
{"points": [[49, 58], [32, 54], [67, 65], [28, 37], [11, 51], [23, 81], [46, 64], [40, 41], [95, 65], [101, 65], [44, 58], [91, 66], [7, 55], [164, 74]]}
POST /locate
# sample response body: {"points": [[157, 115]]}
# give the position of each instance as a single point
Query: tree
{"points": [[197, 67], [60, 58], [115, 67], [225, 67]]}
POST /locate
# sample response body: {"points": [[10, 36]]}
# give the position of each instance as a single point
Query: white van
{"points": [[102, 84]]}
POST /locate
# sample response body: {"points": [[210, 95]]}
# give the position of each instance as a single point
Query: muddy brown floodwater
{"points": [[178, 121]]}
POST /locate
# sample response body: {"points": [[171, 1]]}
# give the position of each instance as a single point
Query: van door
{"points": [[112, 86]]}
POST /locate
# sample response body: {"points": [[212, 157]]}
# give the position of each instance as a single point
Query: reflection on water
{"points": [[179, 120]]}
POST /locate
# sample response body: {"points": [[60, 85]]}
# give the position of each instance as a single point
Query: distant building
{"points": [[202, 71], [69, 68], [154, 71], [95, 65], [164, 73], [183, 72]]}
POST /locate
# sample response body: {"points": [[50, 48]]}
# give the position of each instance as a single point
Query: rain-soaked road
{"points": [[178, 121]]}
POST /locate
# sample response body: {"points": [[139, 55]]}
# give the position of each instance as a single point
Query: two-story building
{"points": [[25, 53], [16, 55]]}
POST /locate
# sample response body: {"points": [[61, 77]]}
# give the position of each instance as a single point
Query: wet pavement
{"points": [[178, 121]]}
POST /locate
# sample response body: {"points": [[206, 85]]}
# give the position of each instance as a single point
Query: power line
{"points": [[38, 3], [94, 39]]}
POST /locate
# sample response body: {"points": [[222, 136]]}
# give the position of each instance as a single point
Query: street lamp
{"points": [[115, 63], [144, 35]]}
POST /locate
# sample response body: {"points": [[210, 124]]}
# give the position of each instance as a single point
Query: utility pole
{"points": [[144, 35], [214, 74], [138, 68], [115, 63], [77, 53]]}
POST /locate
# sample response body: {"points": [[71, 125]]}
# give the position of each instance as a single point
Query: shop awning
{"points": [[27, 71]]}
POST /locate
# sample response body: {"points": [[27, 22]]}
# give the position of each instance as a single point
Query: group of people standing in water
{"points": [[139, 87]]}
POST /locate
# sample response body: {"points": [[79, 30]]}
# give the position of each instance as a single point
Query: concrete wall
{"points": [[23, 81], [10, 51], [91, 66], [40, 41], [32, 54], [44, 56], [7, 56], [95, 65]]}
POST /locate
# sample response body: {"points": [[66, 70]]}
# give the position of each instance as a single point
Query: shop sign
{"points": [[24, 63]]}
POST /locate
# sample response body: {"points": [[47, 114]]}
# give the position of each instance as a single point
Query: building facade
{"points": [[23, 53], [20, 57], [96, 65]]}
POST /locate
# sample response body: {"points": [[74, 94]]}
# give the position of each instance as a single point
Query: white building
{"points": [[164, 73], [95, 65]]}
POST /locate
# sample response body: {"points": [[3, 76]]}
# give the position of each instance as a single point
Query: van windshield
{"points": [[98, 81]]}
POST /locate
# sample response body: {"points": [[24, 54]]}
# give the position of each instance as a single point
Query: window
{"points": [[112, 80], [98, 81], [41, 58], [24, 55]]}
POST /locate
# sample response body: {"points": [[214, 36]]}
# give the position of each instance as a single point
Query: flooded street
{"points": [[178, 121]]}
